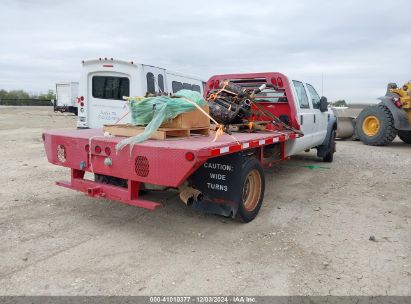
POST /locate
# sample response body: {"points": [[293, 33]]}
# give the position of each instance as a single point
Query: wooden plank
{"points": [[161, 133]]}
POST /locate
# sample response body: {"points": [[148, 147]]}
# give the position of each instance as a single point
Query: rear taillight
{"points": [[81, 104], [274, 81], [216, 84], [82, 98], [97, 149], [397, 102], [87, 148], [107, 150], [211, 85], [280, 82]]}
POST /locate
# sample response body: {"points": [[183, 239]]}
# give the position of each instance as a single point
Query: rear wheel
{"points": [[253, 186], [375, 126], [405, 136]]}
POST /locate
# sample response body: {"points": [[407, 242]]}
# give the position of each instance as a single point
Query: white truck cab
{"points": [[104, 83], [318, 124]]}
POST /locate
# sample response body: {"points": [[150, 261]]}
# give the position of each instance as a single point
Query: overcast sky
{"points": [[359, 46]]}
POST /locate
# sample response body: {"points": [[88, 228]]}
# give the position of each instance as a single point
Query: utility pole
{"points": [[322, 84]]}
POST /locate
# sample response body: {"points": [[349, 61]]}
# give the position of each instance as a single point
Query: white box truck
{"points": [[105, 81], [66, 97]]}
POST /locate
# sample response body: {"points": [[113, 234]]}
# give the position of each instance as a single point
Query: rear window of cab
{"points": [[109, 87]]}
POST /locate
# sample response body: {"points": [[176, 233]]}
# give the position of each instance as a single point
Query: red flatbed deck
{"points": [[160, 162], [201, 144]]}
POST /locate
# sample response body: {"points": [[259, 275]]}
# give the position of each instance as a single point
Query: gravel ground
{"points": [[312, 236]]}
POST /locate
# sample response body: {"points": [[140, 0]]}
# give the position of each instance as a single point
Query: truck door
{"points": [[305, 116], [154, 79], [105, 97], [320, 118]]}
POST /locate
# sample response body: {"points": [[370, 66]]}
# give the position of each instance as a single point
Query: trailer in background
{"points": [[106, 81], [66, 97]]}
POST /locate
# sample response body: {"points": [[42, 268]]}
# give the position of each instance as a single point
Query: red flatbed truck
{"points": [[228, 172]]}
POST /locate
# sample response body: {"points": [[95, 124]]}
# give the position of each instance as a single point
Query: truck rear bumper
{"points": [[129, 195]]}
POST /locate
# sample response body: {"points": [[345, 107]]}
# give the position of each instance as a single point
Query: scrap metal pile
{"points": [[231, 104]]}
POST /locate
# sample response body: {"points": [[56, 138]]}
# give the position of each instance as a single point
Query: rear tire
{"points": [[405, 136], [375, 126], [253, 186]]}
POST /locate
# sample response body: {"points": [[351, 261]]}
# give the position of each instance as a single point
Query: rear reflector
{"points": [[61, 153], [107, 65], [190, 156]]}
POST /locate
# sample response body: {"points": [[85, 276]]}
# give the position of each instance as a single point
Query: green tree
{"points": [[17, 94], [48, 96]]}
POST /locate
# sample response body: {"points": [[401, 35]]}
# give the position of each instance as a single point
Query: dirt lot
{"points": [[311, 236]]}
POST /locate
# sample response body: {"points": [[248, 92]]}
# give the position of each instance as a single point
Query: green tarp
{"points": [[152, 112]]}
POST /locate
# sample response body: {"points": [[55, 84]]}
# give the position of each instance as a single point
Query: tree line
{"points": [[23, 98]]}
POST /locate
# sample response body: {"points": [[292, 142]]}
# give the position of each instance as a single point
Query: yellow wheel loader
{"points": [[379, 124]]}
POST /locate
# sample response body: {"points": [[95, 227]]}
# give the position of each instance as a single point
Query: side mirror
{"points": [[323, 104]]}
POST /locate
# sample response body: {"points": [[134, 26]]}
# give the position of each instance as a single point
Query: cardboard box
{"points": [[187, 120]]}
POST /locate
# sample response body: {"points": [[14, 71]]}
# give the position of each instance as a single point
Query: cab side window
{"points": [[315, 98], [301, 95], [177, 86]]}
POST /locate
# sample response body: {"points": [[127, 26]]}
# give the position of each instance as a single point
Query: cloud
{"points": [[358, 46]]}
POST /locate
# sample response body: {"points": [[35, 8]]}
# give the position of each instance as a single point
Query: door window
{"points": [[301, 95], [161, 82], [109, 87], [151, 87], [315, 98]]}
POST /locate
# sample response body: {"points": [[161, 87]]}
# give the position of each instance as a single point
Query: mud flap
{"points": [[219, 180]]}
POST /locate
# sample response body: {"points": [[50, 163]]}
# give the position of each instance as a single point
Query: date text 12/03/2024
{"points": [[203, 299]]}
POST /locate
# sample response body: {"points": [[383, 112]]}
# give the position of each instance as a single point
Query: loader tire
{"points": [[253, 186], [375, 126], [405, 136]]}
